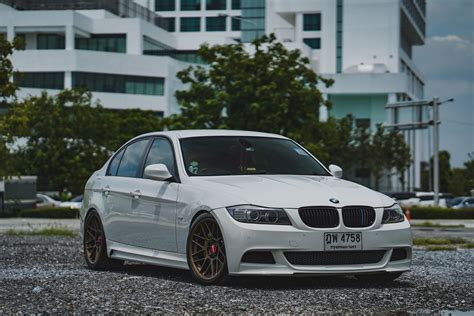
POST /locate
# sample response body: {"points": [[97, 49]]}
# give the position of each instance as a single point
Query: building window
{"points": [[118, 83], [189, 56], [314, 43], [236, 23], [167, 24], [214, 24], [216, 4], [253, 16], [150, 46], [312, 22], [116, 43], [41, 80], [190, 24], [50, 41], [236, 5], [164, 5], [190, 5], [362, 123]]}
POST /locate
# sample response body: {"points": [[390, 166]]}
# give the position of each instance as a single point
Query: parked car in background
{"points": [[462, 202], [405, 199], [221, 202], [43, 200], [75, 203], [427, 199]]}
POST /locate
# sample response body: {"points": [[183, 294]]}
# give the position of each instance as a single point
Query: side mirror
{"points": [[158, 172], [336, 171]]}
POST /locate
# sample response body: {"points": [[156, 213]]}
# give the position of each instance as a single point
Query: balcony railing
{"points": [[122, 8]]}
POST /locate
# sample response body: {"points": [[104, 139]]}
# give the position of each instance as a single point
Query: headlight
{"points": [[393, 214], [258, 215]]}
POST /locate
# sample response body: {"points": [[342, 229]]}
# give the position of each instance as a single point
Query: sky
{"points": [[447, 61]]}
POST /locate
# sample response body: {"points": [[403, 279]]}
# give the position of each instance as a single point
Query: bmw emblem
{"points": [[333, 200]]}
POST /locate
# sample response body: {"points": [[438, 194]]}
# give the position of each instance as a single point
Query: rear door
{"points": [[154, 205], [118, 187]]}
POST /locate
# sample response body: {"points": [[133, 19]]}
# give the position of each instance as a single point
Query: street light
{"points": [[435, 104]]}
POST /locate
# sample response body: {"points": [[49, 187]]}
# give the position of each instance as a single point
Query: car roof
{"points": [[211, 132]]}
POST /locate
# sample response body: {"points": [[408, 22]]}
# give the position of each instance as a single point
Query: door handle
{"points": [[106, 190], [135, 194]]}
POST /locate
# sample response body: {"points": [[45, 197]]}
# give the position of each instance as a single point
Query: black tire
{"points": [[205, 251], [379, 278], [95, 245]]}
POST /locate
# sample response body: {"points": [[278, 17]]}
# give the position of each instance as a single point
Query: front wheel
{"points": [[206, 251]]}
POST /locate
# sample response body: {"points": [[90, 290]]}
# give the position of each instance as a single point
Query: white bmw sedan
{"points": [[222, 203]]}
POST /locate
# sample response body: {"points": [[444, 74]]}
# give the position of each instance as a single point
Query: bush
{"points": [[50, 212], [441, 213]]}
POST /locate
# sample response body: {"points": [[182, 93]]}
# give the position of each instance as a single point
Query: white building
{"points": [[128, 55]]}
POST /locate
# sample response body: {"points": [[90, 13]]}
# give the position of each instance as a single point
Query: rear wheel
{"points": [[206, 251], [95, 245], [379, 277]]}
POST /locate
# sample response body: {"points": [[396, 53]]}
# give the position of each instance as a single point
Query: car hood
{"points": [[291, 191]]}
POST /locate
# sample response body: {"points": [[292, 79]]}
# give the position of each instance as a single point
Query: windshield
{"points": [[236, 155]]}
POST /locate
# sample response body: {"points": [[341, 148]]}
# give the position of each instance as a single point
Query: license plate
{"points": [[342, 241]]}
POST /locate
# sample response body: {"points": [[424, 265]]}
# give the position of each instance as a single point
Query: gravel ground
{"points": [[47, 274]]}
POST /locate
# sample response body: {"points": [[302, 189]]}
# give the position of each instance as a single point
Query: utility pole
{"points": [[436, 150], [418, 123]]}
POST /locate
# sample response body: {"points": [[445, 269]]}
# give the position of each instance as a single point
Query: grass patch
{"points": [[440, 248], [443, 244], [431, 224], [438, 241], [48, 231], [469, 245]]}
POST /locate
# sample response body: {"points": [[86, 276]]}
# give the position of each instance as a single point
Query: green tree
{"points": [[7, 87], [445, 172], [269, 89], [66, 137], [399, 155]]}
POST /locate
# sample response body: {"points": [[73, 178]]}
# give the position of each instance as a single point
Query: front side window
{"points": [[235, 155], [161, 152], [131, 159]]}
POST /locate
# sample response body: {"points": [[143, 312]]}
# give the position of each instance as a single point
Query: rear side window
{"points": [[161, 152], [114, 164], [132, 158]]}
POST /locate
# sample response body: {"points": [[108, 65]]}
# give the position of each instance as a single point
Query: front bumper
{"points": [[240, 238]]}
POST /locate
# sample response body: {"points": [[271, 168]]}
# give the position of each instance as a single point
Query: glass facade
{"points": [[165, 5], [116, 43], [214, 24], [236, 5], [312, 22], [41, 80], [339, 20], [50, 41], [253, 19], [190, 5], [236, 23], [314, 43], [216, 4], [113, 83], [190, 24]]}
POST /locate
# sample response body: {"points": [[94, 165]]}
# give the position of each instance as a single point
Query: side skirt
{"points": [[121, 251]]}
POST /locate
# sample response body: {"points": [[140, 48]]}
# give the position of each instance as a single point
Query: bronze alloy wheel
{"points": [[93, 239], [95, 246], [206, 250]]}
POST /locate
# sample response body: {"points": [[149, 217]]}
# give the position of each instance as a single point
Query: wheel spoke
{"points": [[202, 246], [199, 251]]}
